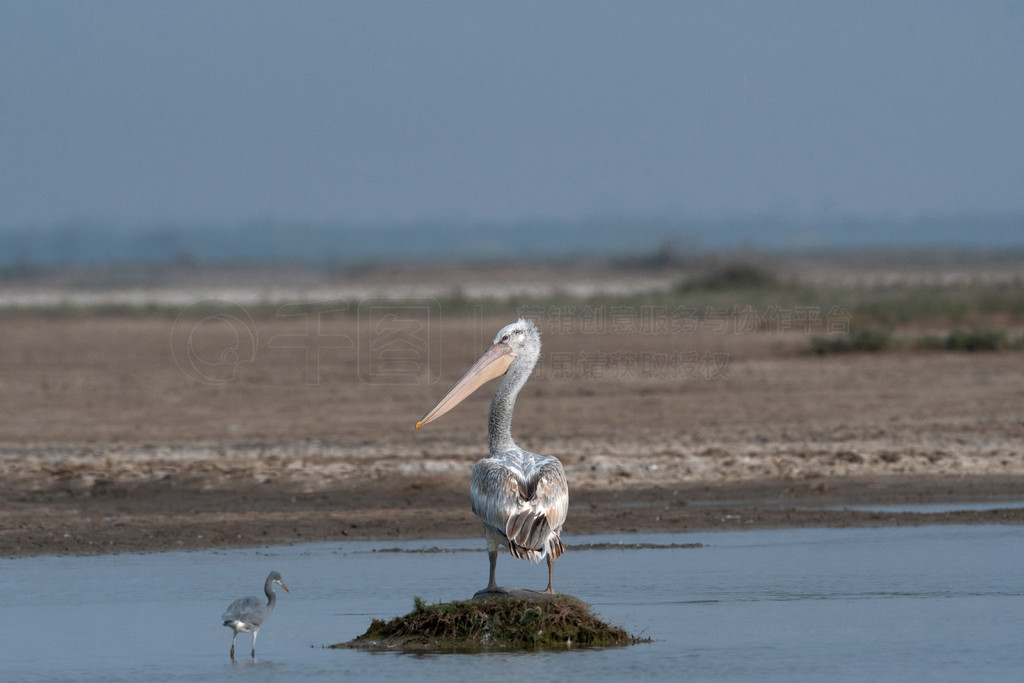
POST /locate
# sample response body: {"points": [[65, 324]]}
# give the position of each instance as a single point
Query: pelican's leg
{"points": [[492, 555], [551, 575], [492, 585]]}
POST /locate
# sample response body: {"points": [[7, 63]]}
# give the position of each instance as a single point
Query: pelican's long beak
{"points": [[494, 363]]}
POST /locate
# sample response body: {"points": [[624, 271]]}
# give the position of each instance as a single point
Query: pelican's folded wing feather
{"points": [[528, 509]]}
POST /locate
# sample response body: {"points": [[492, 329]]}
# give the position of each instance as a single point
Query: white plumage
{"points": [[520, 497]]}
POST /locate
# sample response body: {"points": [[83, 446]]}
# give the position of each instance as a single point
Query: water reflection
{"points": [[930, 602]]}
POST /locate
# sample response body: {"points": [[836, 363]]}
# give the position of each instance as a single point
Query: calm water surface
{"points": [[926, 603]]}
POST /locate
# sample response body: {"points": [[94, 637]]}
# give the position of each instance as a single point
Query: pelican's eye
{"points": [[504, 338]]}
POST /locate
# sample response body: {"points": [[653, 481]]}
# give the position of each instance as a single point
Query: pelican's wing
{"points": [[551, 492], [495, 492], [251, 610], [527, 508]]}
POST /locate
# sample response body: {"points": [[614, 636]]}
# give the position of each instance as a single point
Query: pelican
{"points": [[520, 497]]}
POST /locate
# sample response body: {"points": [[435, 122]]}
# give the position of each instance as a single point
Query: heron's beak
{"points": [[494, 363], [281, 583]]}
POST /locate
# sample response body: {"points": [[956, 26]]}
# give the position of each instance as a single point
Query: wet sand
{"points": [[109, 444]]}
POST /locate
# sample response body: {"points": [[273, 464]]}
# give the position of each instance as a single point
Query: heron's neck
{"points": [[499, 424], [271, 595]]}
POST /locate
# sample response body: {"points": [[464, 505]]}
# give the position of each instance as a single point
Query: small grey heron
{"points": [[247, 614], [520, 497]]}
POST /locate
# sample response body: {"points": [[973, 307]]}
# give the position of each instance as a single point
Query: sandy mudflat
{"points": [[111, 439]]}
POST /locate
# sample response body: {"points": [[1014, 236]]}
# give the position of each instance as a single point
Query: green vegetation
{"points": [[871, 340], [860, 341], [558, 622], [735, 275], [975, 340]]}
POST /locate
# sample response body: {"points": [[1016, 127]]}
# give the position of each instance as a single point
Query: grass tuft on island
{"points": [[558, 622]]}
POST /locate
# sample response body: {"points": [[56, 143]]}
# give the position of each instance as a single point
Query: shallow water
{"points": [[935, 603], [922, 508], [932, 508]]}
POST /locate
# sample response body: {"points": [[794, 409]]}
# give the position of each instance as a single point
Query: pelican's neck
{"points": [[499, 424]]}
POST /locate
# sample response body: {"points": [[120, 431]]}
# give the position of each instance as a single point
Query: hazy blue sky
{"points": [[149, 113]]}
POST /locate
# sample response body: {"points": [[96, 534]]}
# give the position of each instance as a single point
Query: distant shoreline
{"points": [[735, 397]]}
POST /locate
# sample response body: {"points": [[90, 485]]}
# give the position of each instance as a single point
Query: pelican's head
{"points": [[522, 338], [517, 341]]}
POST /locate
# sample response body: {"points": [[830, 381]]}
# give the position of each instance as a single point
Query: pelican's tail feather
{"points": [[554, 546], [530, 536]]}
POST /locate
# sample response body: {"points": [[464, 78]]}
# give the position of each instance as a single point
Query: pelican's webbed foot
{"points": [[492, 592]]}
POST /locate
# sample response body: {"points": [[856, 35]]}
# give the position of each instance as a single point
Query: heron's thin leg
{"points": [[233, 639], [551, 575], [255, 631]]}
